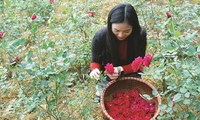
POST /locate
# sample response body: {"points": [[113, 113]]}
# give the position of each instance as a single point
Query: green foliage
{"points": [[176, 66], [54, 56], [54, 52]]}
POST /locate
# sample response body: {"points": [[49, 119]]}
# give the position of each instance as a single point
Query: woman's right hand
{"points": [[95, 74]]}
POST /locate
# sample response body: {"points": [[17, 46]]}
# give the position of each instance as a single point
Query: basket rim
{"points": [[127, 78]]}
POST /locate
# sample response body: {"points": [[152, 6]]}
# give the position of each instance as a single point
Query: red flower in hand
{"points": [[33, 17], [1, 34], [109, 68], [137, 64], [147, 60], [168, 14]]}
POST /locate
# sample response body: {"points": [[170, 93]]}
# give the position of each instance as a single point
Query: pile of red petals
{"points": [[130, 106]]}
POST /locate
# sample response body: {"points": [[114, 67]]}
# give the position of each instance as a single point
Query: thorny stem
{"points": [[48, 109], [171, 90], [144, 19], [56, 96], [49, 113]]}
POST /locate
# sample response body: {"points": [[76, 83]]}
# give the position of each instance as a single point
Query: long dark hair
{"points": [[119, 14]]}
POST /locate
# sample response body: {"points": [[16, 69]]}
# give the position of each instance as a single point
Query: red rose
{"points": [[137, 64], [51, 1], [199, 56], [91, 13], [109, 68], [147, 60], [72, 89], [33, 17], [168, 14], [14, 60], [1, 34]]}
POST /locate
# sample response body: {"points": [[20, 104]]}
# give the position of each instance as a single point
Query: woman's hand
{"points": [[116, 74], [95, 74]]}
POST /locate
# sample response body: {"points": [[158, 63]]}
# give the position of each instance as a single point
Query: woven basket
{"points": [[126, 84]]}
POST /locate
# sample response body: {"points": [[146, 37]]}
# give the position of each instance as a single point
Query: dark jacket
{"points": [[100, 50]]}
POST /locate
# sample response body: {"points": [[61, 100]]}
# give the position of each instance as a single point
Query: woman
{"points": [[119, 43]]}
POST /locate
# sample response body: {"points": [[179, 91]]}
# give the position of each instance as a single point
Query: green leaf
{"points": [[170, 1], [51, 44], [168, 110], [183, 90], [30, 53], [186, 101], [172, 71], [29, 56], [187, 94], [18, 42], [177, 97], [191, 36], [90, 118], [7, 3], [44, 46], [155, 92], [163, 106], [177, 33], [170, 103], [198, 49], [146, 96], [171, 27], [192, 116]]}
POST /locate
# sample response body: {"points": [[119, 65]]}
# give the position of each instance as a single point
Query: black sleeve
{"points": [[98, 46]]}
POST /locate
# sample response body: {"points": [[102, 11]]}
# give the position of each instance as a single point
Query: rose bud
{"points": [[51, 1], [1, 34], [14, 61], [91, 13], [33, 17], [168, 14]]}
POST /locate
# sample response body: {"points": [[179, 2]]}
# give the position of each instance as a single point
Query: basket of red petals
{"points": [[121, 100]]}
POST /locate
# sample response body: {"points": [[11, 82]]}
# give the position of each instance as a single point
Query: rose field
{"points": [[45, 54]]}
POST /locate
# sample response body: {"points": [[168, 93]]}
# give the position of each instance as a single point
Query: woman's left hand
{"points": [[116, 74]]}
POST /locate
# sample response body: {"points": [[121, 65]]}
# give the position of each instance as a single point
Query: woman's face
{"points": [[121, 30]]}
